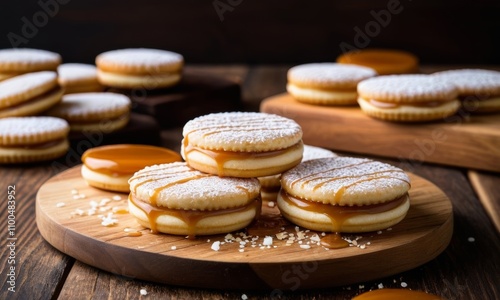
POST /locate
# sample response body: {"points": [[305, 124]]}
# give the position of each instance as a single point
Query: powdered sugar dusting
{"points": [[472, 80], [330, 73], [415, 87], [242, 130], [21, 84], [312, 152], [346, 181], [75, 71], [140, 57], [176, 185], [22, 127], [27, 56], [83, 104]]}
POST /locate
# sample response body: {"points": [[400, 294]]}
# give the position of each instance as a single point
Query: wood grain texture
{"points": [[487, 187], [420, 237], [472, 143]]}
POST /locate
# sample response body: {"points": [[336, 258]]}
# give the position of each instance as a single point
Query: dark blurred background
{"points": [[245, 31]]}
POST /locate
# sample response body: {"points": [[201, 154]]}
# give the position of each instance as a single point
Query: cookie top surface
{"points": [[28, 60], [140, 60], [407, 88], [242, 132], [17, 131], [312, 152], [473, 81], [75, 72], [329, 75], [177, 186], [24, 87], [345, 181], [91, 106]]}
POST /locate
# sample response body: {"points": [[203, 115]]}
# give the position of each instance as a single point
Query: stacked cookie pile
{"points": [[401, 97], [34, 82], [217, 190]]}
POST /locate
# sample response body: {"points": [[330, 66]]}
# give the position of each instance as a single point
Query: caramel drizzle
{"points": [[338, 214], [221, 157], [190, 217]]}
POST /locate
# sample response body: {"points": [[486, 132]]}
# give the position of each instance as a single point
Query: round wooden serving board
{"points": [[61, 214]]}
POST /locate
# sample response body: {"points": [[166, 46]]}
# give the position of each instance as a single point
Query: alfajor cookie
{"points": [[110, 167], [78, 78], [103, 112], [139, 68], [326, 83], [242, 144], [32, 139], [408, 98], [270, 185], [176, 199], [479, 90], [17, 61], [29, 94], [383, 61], [344, 194]]}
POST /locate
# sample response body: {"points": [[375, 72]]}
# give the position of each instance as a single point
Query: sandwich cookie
{"points": [[17, 61], [242, 144], [104, 112], [326, 83], [270, 185], [344, 194], [29, 94], [478, 89], [78, 78], [110, 167], [383, 61], [32, 139], [177, 199], [139, 68], [408, 98]]}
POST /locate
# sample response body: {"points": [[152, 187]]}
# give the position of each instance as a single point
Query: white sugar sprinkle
{"points": [[270, 204], [143, 292], [380, 285], [404, 284], [305, 246], [267, 241], [244, 297], [471, 240], [173, 248], [215, 246], [60, 204]]}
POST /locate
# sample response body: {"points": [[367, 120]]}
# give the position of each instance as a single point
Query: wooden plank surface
{"points": [[472, 143], [487, 187], [422, 235]]}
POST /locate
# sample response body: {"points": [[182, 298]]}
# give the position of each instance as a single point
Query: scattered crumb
{"points": [[267, 241], [380, 285], [270, 204], [60, 204], [471, 239], [143, 292], [244, 297], [389, 229], [404, 284], [361, 286], [117, 197], [215, 246], [379, 232], [305, 246], [173, 248]]}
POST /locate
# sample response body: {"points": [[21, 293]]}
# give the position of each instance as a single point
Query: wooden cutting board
{"points": [[421, 236], [464, 141]]}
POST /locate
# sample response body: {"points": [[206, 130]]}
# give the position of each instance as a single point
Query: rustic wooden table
{"points": [[468, 269]]}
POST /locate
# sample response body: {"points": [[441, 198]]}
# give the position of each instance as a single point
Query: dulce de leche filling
{"points": [[37, 146], [190, 217], [221, 157], [426, 104], [339, 214], [126, 159]]}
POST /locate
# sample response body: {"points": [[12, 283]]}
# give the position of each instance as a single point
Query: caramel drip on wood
{"points": [[333, 241], [190, 217], [396, 294]]}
